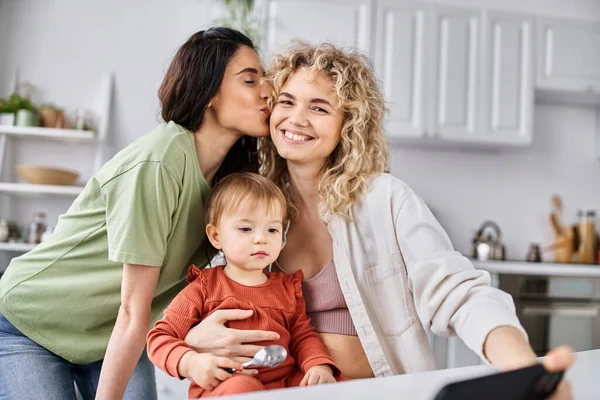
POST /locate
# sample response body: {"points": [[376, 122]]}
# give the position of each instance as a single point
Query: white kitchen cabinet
{"points": [[507, 78], [402, 47], [455, 75], [342, 22], [455, 102], [568, 55]]}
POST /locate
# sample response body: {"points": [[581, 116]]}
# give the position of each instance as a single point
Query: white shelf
{"points": [[17, 247], [28, 189], [47, 133], [539, 269]]}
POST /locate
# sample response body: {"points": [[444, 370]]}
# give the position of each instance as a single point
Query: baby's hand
{"points": [[317, 375], [207, 370]]}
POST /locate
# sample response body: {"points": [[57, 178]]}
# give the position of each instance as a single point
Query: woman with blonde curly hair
{"points": [[379, 269]]}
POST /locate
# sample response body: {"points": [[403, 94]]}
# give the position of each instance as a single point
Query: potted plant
{"points": [[25, 113], [242, 15], [7, 113]]}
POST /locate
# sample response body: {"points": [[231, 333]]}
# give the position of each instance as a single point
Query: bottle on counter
{"points": [[597, 248], [37, 228], [587, 236], [534, 254], [4, 233]]}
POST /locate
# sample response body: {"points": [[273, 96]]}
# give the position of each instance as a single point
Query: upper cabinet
{"points": [[568, 55], [507, 78], [454, 106], [451, 74], [454, 74], [342, 22], [400, 64]]}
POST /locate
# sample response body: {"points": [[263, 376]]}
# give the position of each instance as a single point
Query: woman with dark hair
{"points": [[77, 308]]}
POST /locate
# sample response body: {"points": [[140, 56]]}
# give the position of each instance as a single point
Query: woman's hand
{"points": [[560, 359], [507, 349], [212, 336], [317, 375]]}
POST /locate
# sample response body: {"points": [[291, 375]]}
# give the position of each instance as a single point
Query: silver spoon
{"points": [[270, 356]]}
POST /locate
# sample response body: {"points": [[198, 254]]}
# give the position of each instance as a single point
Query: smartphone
{"points": [[530, 383]]}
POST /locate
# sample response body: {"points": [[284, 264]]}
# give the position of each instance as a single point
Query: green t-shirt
{"points": [[144, 206]]}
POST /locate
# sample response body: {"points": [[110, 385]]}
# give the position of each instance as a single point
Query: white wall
{"points": [[4, 32]]}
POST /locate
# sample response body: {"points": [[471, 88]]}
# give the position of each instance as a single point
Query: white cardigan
{"points": [[396, 266]]}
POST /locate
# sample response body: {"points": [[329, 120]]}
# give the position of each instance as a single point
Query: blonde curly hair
{"points": [[363, 149]]}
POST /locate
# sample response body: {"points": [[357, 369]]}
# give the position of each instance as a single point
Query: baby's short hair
{"points": [[243, 189]]}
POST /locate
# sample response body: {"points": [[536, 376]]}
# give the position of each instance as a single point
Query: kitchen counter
{"points": [[545, 269], [425, 385]]}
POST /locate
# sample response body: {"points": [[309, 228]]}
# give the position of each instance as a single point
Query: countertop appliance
{"points": [[487, 243]]}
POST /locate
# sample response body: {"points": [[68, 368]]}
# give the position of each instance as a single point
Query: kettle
{"points": [[488, 246]]}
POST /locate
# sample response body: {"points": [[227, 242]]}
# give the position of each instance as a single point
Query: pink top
{"points": [[325, 303]]}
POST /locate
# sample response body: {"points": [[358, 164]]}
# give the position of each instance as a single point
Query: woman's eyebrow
{"points": [[288, 95], [315, 101], [248, 69], [321, 101]]}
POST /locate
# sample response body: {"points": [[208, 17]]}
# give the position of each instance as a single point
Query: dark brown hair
{"points": [[194, 78]]}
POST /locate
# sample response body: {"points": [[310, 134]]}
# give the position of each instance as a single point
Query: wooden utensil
{"points": [[556, 214], [563, 237]]}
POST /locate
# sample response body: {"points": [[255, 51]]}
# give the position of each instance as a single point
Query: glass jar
{"points": [[587, 236]]}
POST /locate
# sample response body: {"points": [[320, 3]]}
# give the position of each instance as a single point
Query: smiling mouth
{"points": [[296, 137]]}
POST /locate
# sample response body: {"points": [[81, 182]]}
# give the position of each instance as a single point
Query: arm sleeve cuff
{"points": [[173, 360], [308, 364]]}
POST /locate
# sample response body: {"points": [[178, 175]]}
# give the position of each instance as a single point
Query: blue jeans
{"points": [[29, 371]]}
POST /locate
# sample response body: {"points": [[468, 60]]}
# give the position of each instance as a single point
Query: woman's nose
{"points": [[299, 117], [264, 90]]}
